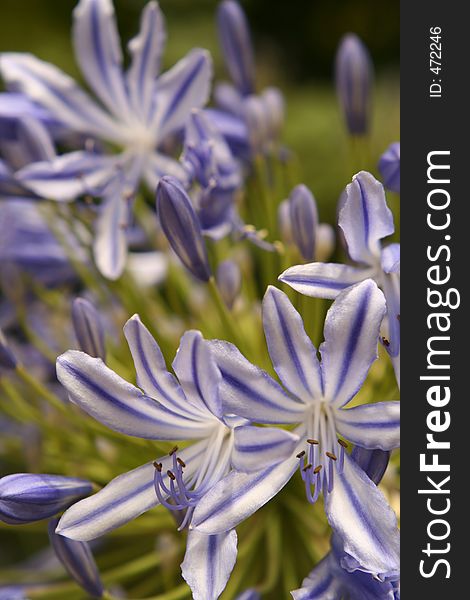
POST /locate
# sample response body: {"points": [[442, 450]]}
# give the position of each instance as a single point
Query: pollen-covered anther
{"points": [[317, 470], [300, 454], [343, 443], [313, 442], [181, 462], [385, 342], [173, 450], [158, 466], [171, 475], [307, 467], [331, 455]]}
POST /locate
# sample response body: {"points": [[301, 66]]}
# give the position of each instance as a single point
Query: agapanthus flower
{"points": [[88, 328], [211, 165], [354, 75], [299, 225], [187, 408], [262, 114], [314, 398], [331, 578], [365, 220], [389, 167], [135, 111]]}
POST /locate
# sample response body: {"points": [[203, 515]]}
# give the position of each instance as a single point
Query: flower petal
{"points": [[258, 447], [239, 495], [123, 499], [182, 88], [351, 335], [359, 513], [117, 404], [390, 258], [70, 175], [198, 373], [293, 355], [321, 583], [365, 218], [98, 52], [146, 51], [323, 280], [152, 374], [208, 563], [371, 425], [110, 243], [250, 392], [157, 165], [50, 87]]}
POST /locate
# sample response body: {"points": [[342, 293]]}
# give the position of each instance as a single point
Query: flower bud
{"points": [[353, 83], [254, 112], [182, 227], [88, 328], [7, 358], [389, 167], [304, 221], [373, 462], [284, 222], [78, 561], [26, 497], [229, 281], [274, 104], [237, 49]]}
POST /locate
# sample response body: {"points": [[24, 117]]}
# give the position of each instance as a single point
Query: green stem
{"points": [[223, 312]]}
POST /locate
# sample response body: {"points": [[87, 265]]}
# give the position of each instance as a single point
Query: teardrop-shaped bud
{"points": [[304, 220], [229, 281], [88, 328]]}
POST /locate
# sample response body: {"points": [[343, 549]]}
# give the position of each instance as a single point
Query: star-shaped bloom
{"points": [[134, 110], [314, 397], [166, 408], [331, 577], [365, 220]]}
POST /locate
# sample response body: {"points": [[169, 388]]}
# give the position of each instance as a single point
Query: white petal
{"points": [[258, 447], [98, 52], [351, 336], [208, 563], [293, 355], [371, 425]]}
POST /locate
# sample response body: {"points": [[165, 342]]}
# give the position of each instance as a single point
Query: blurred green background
{"points": [[295, 44]]}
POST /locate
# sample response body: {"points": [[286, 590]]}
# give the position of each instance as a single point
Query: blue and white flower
{"points": [[331, 577], [365, 220], [314, 397], [164, 408], [135, 111]]}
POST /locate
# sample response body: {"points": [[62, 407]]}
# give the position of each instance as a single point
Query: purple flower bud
{"points": [[373, 462], [353, 83], [235, 39], [7, 358], [304, 220], [284, 222], [250, 594], [389, 167], [78, 561], [13, 592], [88, 328], [229, 281], [274, 105], [26, 497], [182, 227], [254, 112]]}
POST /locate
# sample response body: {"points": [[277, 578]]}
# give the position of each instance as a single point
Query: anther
{"points": [[172, 451], [342, 443], [385, 342], [181, 462], [398, 317], [158, 466], [171, 475], [307, 467], [300, 454], [317, 470], [331, 455], [310, 441]]}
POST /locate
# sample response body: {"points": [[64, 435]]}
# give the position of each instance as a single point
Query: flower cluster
{"points": [[150, 200]]}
